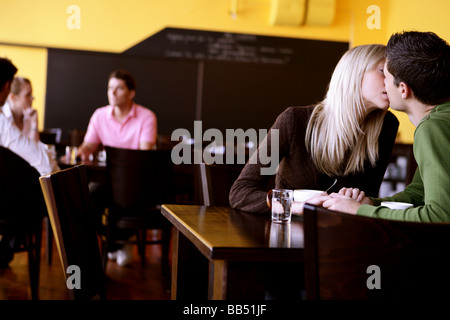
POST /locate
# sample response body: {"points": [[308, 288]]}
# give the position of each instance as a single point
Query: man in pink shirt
{"points": [[121, 124]]}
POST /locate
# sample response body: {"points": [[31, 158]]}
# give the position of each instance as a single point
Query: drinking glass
{"points": [[282, 205]]}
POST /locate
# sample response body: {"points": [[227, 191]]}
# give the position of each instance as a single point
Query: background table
{"points": [[95, 170], [221, 253]]}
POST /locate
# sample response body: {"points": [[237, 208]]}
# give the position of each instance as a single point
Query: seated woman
{"points": [[19, 108], [348, 136]]}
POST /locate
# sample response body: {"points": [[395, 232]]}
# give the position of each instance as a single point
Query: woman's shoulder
{"points": [[300, 109], [390, 126], [294, 113], [390, 118]]}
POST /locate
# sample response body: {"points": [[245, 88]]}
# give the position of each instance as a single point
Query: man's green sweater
{"points": [[429, 190]]}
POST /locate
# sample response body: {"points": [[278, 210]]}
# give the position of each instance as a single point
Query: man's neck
{"points": [[120, 112], [417, 111]]}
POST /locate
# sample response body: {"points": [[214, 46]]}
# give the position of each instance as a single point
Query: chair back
{"points": [[20, 181], [68, 203], [354, 257], [76, 137], [23, 208], [51, 136], [139, 178], [216, 182]]}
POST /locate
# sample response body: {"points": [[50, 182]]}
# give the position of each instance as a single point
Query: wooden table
{"points": [[221, 253], [95, 170]]}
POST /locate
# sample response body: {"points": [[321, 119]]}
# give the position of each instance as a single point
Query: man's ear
{"points": [[405, 90], [132, 94]]}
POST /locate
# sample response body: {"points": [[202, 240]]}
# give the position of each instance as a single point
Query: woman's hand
{"points": [[348, 200], [297, 207], [30, 113], [30, 124], [355, 194]]}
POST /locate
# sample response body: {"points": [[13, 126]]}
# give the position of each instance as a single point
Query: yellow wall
{"points": [[31, 63], [27, 27], [115, 25]]}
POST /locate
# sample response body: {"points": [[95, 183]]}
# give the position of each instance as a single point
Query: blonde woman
{"points": [[348, 136], [19, 107]]}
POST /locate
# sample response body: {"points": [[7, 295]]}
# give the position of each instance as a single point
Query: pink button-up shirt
{"points": [[140, 125]]}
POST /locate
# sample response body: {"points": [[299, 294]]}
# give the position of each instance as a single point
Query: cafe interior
{"points": [[205, 68]]}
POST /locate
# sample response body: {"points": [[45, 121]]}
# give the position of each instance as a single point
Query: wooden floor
{"points": [[132, 282]]}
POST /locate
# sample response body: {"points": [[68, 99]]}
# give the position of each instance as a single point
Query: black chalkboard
{"points": [[237, 95], [245, 48]]}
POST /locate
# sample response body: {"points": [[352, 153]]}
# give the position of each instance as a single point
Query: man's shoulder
{"points": [[440, 116], [102, 111], [142, 111], [434, 126]]}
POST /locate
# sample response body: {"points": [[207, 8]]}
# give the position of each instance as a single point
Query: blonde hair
{"points": [[340, 135], [17, 84]]}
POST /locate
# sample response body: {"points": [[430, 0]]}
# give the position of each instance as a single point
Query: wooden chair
{"points": [[51, 136], [140, 181], [31, 244], [68, 202], [22, 210], [353, 257], [216, 182]]}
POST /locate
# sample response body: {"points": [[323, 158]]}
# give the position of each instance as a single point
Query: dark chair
{"points": [[31, 243], [216, 182], [51, 136], [140, 181], [68, 202], [76, 137], [361, 258], [165, 142], [22, 211]]}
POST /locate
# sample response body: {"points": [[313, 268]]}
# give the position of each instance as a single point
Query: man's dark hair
{"points": [[7, 71], [125, 76], [422, 61]]}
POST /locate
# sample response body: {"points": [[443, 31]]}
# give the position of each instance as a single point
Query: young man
{"points": [[417, 82], [123, 123]]}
